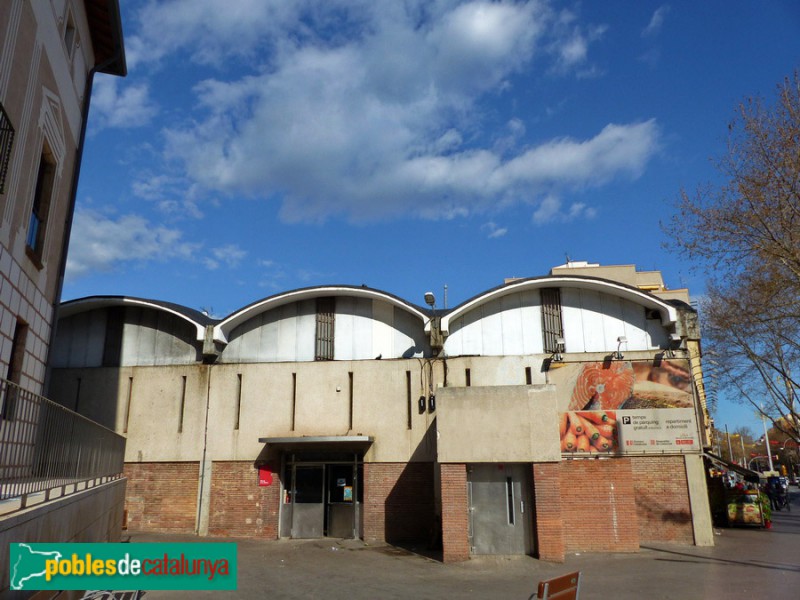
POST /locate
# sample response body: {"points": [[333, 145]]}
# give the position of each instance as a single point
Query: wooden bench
{"points": [[565, 587]]}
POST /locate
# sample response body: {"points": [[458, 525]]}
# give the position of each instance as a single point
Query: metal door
{"points": [[499, 509], [341, 501], [308, 498]]}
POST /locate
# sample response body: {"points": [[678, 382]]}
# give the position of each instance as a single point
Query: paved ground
{"points": [[745, 563]]}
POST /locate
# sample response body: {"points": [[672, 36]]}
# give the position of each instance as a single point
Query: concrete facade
{"points": [[389, 431]]}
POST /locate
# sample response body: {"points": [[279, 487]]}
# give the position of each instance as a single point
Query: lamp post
{"points": [[741, 439]]}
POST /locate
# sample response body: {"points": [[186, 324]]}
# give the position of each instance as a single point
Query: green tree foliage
{"points": [[744, 232]]}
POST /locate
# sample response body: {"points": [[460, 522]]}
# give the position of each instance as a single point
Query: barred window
{"points": [[326, 312], [6, 141], [552, 328]]}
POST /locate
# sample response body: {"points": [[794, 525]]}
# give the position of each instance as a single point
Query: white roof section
{"points": [[223, 329], [74, 307], [669, 314]]}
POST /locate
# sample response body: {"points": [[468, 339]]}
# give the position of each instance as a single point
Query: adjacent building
{"points": [[550, 414], [50, 51]]}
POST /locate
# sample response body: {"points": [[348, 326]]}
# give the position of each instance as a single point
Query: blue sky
{"points": [[258, 146]]}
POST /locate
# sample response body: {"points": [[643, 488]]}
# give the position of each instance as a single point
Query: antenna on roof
{"points": [[445, 295], [569, 260]]}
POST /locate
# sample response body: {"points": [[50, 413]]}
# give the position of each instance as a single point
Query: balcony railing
{"points": [[47, 450]]}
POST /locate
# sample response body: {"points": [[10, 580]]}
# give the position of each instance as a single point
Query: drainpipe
{"points": [[204, 482]]}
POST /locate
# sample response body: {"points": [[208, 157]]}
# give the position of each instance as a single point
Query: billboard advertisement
{"points": [[626, 407]]}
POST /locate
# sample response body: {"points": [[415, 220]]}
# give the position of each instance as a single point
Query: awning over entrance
{"points": [[339, 442], [748, 475]]}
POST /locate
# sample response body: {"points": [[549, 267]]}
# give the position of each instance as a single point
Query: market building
{"points": [[547, 415]]}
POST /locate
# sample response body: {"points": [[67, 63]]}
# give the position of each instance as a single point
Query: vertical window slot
{"points": [[238, 400], [350, 399], [468, 377], [128, 405], [294, 398], [408, 399], [183, 403], [510, 497]]}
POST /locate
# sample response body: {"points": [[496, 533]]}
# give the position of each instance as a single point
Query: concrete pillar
{"points": [[698, 500]]}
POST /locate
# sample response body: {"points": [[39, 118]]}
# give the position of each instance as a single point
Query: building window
{"points": [[69, 36], [14, 373], [6, 141], [552, 328], [326, 312], [40, 208]]}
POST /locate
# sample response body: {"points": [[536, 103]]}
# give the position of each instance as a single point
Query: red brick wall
{"points": [[549, 525], [239, 506], [455, 515], [598, 505], [662, 499], [398, 502], [162, 496]]}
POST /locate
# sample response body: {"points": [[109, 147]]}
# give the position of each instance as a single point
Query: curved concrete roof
{"points": [[197, 319], [229, 323], [669, 314]]}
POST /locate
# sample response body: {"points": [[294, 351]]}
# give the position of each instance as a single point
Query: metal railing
{"points": [[48, 450]]}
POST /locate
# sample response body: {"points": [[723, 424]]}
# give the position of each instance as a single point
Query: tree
{"points": [[744, 233]]}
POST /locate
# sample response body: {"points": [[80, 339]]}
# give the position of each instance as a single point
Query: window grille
{"points": [[552, 328], [6, 141], [326, 312]]}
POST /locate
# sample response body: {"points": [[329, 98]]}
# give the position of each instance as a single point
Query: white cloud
{"points": [[207, 29], [171, 194], [493, 230], [570, 44], [549, 211], [656, 21], [372, 110], [121, 106], [230, 256], [99, 243]]}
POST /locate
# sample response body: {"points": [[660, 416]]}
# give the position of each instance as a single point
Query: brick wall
{"points": [[398, 502], [162, 496], [239, 506], [549, 527], [662, 499], [455, 515], [598, 505]]}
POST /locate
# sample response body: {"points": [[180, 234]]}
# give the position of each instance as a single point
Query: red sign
{"points": [[264, 476]]}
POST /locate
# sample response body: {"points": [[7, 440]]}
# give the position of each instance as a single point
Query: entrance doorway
{"points": [[322, 498], [499, 509]]}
